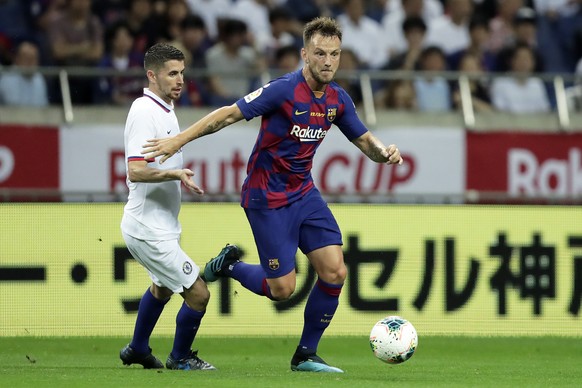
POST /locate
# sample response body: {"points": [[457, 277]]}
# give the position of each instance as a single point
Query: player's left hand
{"points": [[161, 147], [392, 155]]}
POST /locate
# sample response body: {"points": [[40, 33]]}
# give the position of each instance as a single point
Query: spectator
{"points": [[283, 33], [23, 85], [227, 59], [557, 23], [525, 32], [210, 11], [478, 45], [39, 15], [450, 32], [287, 59], [76, 38], [414, 33], [392, 24], [433, 92], [486, 9], [13, 23], [76, 35], [194, 37], [350, 83], [142, 24], [521, 93], [360, 34], [195, 42], [120, 56], [470, 64], [398, 95], [176, 12], [255, 14], [307, 10], [501, 26], [431, 9], [376, 9], [109, 11]]}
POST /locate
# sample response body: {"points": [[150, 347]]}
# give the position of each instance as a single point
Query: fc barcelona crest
{"points": [[331, 112], [274, 264]]}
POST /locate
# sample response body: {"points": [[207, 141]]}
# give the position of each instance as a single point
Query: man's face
{"points": [[322, 57], [168, 82]]}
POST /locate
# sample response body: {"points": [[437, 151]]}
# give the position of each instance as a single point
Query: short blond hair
{"points": [[324, 26]]}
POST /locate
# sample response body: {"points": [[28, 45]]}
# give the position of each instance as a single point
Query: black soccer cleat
{"points": [[216, 267], [190, 362], [148, 360], [311, 363]]}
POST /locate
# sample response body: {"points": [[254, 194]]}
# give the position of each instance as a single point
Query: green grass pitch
{"points": [[440, 361]]}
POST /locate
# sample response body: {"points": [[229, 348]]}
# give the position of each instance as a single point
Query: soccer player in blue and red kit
{"points": [[284, 208]]}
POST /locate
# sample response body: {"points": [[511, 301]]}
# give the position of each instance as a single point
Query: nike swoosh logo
{"points": [[168, 132], [298, 113]]}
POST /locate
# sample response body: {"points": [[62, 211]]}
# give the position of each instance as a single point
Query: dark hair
{"points": [[280, 13], [193, 21], [324, 26], [227, 28], [432, 50], [286, 50], [522, 46], [159, 54], [111, 33], [478, 22], [413, 22]]}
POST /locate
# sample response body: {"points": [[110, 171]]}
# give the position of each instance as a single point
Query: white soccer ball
{"points": [[393, 340]]}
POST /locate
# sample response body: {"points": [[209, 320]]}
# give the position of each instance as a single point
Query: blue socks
{"points": [[319, 310], [148, 313], [252, 277], [187, 324]]}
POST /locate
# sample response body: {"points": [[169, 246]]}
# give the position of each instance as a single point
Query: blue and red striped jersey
{"points": [[294, 123]]}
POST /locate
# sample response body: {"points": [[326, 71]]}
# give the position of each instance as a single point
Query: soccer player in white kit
{"points": [[150, 225]]}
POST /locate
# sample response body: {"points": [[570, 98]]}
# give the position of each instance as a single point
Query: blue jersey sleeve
{"points": [[349, 122], [265, 99]]}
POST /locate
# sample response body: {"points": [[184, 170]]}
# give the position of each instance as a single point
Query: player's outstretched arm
{"points": [[374, 149], [212, 122], [138, 171]]}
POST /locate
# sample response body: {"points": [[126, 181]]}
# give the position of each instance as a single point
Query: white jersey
{"points": [[151, 212]]}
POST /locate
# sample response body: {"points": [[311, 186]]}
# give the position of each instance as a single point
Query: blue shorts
{"points": [[307, 224]]}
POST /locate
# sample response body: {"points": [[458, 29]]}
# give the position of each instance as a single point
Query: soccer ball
{"points": [[393, 340]]}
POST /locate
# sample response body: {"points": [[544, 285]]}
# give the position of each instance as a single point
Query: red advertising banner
{"points": [[29, 157], [525, 164]]}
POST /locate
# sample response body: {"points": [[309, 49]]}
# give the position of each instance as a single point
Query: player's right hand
{"points": [[160, 147], [186, 178]]}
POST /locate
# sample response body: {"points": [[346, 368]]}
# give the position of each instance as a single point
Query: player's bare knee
{"points": [[341, 274], [201, 298], [282, 293], [334, 276]]}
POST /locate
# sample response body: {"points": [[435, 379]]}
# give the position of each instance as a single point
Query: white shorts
{"points": [[168, 265]]}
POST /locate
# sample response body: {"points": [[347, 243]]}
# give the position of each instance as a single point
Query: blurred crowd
{"points": [[230, 39]]}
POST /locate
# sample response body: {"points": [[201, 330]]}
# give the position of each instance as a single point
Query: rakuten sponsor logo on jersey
{"points": [[308, 133]]}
